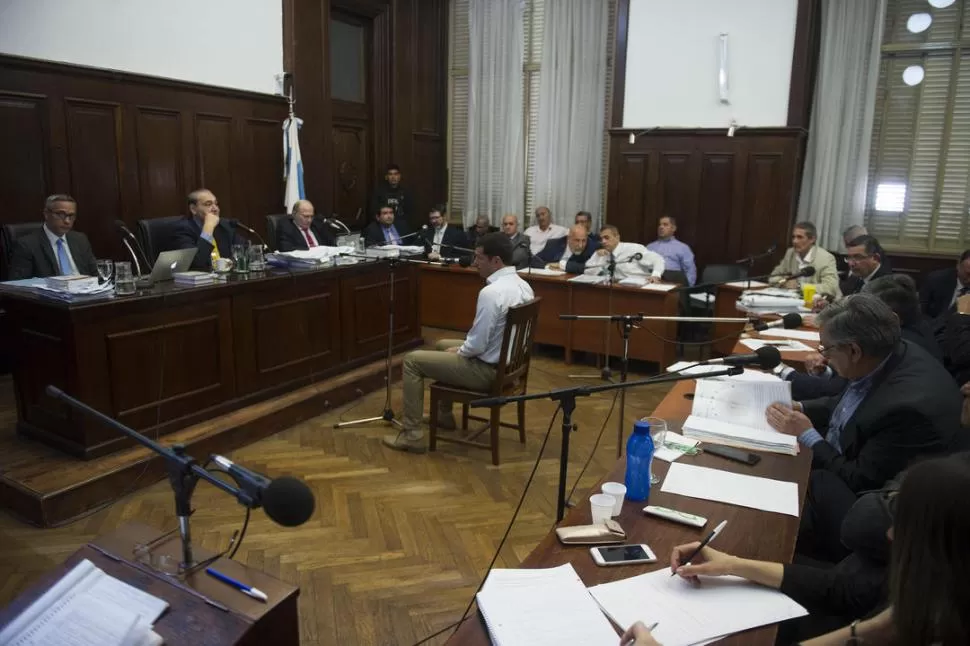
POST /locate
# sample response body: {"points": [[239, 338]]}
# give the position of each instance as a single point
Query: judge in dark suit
{"points": [[442, 239], [942, 287], [385, 229], [303, 230], [900, 404], [568, 254], [203, 230], [866, 261], [55, 249]]}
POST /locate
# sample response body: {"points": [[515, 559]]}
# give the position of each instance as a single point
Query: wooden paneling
{"points": [[365, 299], [351, 168], [129, 146], [732, 196], [23, 131]]}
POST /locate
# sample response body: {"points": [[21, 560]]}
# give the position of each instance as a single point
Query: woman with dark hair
{"points": [[929, 599]]}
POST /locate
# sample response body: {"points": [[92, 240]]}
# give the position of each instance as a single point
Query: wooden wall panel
{"points": [[161, 175], [213, 159], [264, 190], [23, 131]]}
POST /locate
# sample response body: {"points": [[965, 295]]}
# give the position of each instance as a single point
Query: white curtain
{"points": [[569, 142], [833, 190], [494, 176]]}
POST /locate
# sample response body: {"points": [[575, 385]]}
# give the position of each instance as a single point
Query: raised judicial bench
{"points": [[171, 356]]}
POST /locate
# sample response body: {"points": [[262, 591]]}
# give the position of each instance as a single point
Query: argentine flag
{"points": [[292, 163]]}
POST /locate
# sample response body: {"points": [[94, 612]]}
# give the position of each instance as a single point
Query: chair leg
{"points": [[433, 424], [494, 424], [521, 411], [464, 417]]}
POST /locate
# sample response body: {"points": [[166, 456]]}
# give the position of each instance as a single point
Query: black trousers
{"points": [[827, 502]]}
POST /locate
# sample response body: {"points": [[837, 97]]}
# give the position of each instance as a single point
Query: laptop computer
{"points": [[172, 261]]}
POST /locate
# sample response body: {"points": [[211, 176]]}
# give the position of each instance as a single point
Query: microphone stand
{"points": [[183, 474], [567, 400]]}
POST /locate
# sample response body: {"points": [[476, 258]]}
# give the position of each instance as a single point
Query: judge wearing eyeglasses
{"points": [[55, 249]]}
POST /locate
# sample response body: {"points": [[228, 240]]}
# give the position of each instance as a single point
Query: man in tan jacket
{"points": [[805, 253]]}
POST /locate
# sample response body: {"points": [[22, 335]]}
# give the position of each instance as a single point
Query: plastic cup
{"points": [[808, 293], [618, 491], [601, 507]]}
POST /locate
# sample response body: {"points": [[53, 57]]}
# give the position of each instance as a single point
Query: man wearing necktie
{"points": [[385, 229], [303, 230], [55, 249]]}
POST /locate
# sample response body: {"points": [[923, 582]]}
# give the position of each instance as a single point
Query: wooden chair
{"points": [[511, 378]]}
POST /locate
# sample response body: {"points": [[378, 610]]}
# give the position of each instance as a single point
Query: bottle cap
{"points": [[641, 426]]}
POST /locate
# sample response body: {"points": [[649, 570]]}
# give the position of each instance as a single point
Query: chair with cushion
{"points": [[702, 300], [272, 225], [511, 378], [155, 235], [9, 234]]}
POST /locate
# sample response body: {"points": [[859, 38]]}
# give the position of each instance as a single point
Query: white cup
{"points": [[601, 506], [618, 491], [223, 265]]}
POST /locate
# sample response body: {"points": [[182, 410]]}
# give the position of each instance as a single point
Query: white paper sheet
{"points": [[783, 345], [541, 271], [745, 284], [690, 614], [589, 279], [659, 287], [667, 452], [804, 335], [765, 494]]}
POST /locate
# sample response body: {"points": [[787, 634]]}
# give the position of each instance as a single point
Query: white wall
{"points": [[671, 62], [230, 43]]}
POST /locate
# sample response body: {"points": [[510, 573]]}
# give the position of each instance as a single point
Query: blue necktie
{"points": [[392, 236], [63, 259]]}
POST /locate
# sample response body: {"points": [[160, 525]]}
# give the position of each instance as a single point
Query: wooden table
{"points": [[171, 356], [794, 358], [202, 609], [449, 294], [750, 533]]}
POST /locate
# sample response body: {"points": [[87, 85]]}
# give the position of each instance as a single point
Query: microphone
{"points": [[128, 235], [788, 321], [335, 223], [750, 259], [765, 357], [286, 500], [237, 223]]}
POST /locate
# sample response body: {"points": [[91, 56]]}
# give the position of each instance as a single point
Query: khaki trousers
{"points": [[439, 365]]}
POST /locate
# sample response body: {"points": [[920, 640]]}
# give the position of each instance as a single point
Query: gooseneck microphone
{"points": [[286, 500], [765, 357], [788, 321], [237, 223], [126, 236]]}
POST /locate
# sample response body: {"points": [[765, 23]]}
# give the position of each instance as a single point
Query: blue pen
{"points": [[242, 587]]}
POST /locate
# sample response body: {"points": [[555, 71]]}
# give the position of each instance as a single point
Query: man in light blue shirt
{"points": [[677, 255]]}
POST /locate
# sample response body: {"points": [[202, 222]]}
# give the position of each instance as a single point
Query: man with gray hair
{"points": [[55, 249], [853, 232], [900, 404]]}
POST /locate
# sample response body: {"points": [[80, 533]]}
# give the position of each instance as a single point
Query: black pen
{"points": [[710, 537]]}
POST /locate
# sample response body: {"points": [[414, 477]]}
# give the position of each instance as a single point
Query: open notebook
{"points": [[732, 411], [87, 607]]}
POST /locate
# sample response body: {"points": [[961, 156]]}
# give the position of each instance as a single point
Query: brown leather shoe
{"points": [[401, 442]]}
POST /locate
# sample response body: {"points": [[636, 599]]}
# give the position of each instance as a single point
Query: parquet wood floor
{"points": [[398, 542]]}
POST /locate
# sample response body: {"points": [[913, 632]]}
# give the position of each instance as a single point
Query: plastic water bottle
{"points": [[639, 456]]}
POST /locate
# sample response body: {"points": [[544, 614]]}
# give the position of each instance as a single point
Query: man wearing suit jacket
{"points": [[440, 238], [385, 229], [805, 253], [476, 231], [568, 254], [942, 288], [521, 243], [900, 404], [866, 263], [204, 231], [55, 249], [303, 230]]}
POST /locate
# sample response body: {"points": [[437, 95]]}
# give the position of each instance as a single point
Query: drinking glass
{"points": [[105, 269], [658, 431], [240, 258], [124, 280], [256, 260]]}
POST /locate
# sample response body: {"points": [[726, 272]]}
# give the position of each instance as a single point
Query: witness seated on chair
{"points": [[470, 363], [385, 229], [568, 254], [626, 259], [55, 249], [677, 255], [440, 238], [203, 229], [304, 230]]}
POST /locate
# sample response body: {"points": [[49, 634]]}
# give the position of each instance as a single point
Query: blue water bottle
{"points": [[639, 456]]}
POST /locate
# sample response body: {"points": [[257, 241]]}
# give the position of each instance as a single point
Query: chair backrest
{"points": [[156, 235], [723, 273], [512, 372], [8, 236], [674, 276], [272, 224]]}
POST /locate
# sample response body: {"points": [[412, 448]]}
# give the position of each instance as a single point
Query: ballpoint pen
{"points": [[710, 537], [242, 587], [651, 628]]}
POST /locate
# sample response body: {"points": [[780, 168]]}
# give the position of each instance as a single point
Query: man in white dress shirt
{"points": [[544, 230], [631, 259], [468, 363]]}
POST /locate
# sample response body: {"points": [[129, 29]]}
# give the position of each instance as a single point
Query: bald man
{"points": [[568, 254], [204, 230], [303, 230], [521, 251]]}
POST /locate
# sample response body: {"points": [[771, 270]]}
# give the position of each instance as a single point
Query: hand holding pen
{"points": [[695, 558]]}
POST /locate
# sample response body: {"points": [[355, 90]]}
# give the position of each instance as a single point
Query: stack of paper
{"points": [[540, 607], [541, 271], [659, 287], [320, 255], [747, 284], [691, 614], [732, 411], [87, 608], [805, 335], [783, 345], [589, 279]]}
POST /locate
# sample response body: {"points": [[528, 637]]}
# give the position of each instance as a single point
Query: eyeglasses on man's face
{"points": [[66, 216]]}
